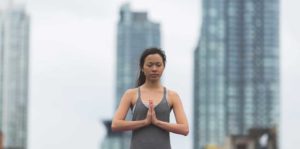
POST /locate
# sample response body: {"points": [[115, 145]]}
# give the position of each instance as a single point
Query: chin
{"points": [[154, 79]]}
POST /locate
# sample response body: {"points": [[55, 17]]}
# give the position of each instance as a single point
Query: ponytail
{"points": [[141, 79]]}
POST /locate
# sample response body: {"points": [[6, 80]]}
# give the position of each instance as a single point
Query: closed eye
{"points": [[158, 64]]}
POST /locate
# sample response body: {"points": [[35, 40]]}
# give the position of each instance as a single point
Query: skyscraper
{"points": [[14, 54], [135, 33], [236, 69]]}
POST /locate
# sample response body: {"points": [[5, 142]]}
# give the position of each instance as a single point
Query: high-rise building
{"points": [[14, 54], [209, 80], [135, 33], [236, 69]]}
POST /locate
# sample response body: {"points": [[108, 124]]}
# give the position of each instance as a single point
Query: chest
{"points": [[156, 97]]}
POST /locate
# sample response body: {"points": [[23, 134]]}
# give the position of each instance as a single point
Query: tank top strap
{"points": [[165, 93], [139, 93], [166, 97], [137, 99]]}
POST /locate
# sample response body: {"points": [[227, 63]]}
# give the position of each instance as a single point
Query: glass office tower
{"points": [[135, 33], [14, 55], [236, 69]]}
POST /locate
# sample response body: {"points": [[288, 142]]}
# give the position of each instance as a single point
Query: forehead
{"points": [[153, 58]]}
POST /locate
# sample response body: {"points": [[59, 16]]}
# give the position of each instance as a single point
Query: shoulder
{"points": [[173, 96], [172, 93], [131, 95], [130, 92], [174, 100]]}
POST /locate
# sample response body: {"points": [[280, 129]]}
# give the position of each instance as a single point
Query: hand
{"points": [[149, 114], [148, 117], [153, 114]]}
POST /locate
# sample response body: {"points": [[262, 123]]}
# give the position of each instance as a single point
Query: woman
{"points": [[151, 104]]}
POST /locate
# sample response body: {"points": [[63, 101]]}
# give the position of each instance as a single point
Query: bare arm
{"points": [[119, 123], [181, 126]]}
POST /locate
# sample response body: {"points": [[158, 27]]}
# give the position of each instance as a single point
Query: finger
{"points": [[150, 105]]}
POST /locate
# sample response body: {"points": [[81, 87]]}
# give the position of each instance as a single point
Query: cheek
{"points": [[162, 69], [145, 68]]}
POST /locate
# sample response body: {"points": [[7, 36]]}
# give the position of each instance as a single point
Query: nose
{"points": [[154, 68]]}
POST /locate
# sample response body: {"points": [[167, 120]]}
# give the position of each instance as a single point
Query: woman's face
{"points": [[153, 67]]}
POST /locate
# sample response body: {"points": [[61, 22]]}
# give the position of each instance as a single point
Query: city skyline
{"points": [[75, 93]]}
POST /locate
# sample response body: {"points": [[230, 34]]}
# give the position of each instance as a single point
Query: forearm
{"points": [[124, 125], [175, 128]]}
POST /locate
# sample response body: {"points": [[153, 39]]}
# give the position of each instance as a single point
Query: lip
{"points": [[154, 75]]}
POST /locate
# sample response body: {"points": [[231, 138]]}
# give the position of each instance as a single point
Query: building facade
{"points": [[236, 69], [14, 61], [135, 33]]}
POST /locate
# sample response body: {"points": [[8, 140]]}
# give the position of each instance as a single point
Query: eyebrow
{"points": [[154, 62]]}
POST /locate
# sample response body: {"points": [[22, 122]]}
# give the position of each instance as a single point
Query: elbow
{"points": [[186, 131], [114, 127]]}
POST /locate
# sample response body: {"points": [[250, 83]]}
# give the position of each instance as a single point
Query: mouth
{"points": [[154, 75]]}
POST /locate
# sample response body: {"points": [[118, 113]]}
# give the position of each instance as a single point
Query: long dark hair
{"points": [[142, 78]]}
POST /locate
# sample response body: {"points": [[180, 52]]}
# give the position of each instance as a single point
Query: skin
{"points": [[151, 92]]}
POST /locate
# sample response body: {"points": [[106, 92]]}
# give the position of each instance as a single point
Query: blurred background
{"points": [[65, 63]]}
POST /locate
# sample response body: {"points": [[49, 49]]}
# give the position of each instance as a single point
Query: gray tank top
{"points": [[151, 136]]}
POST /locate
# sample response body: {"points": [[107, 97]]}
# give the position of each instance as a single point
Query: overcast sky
{"points": [[72, 67]]}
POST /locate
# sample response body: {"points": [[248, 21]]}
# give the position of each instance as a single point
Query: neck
{"points": [[149, 84]]}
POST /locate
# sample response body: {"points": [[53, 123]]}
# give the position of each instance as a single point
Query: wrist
{"points": [[145, 122], [156, 122]]}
